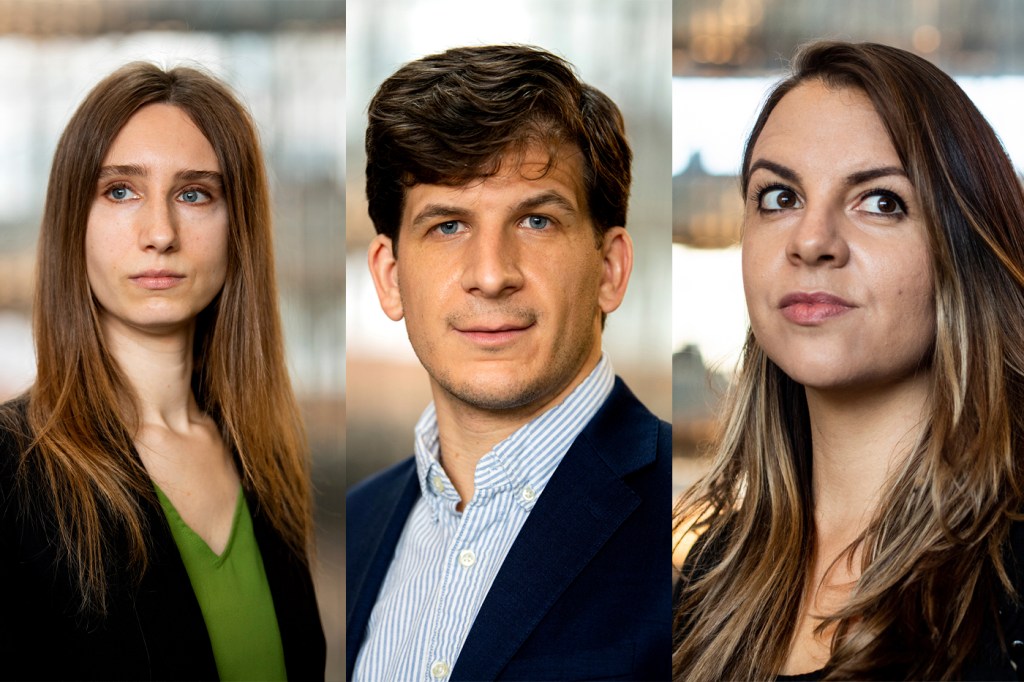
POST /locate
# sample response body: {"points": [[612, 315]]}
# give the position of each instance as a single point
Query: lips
{"points": [[493, 334], [156, 280], [813, 308]]}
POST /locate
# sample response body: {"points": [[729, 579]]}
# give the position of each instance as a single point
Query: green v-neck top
{"points": [[234, 596]]}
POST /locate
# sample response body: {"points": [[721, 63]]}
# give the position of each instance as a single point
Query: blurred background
{"points": [[286, 60], [726, 54], [622, 48]]}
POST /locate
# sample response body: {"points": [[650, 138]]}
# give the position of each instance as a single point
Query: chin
{"points": [[494, 394]]}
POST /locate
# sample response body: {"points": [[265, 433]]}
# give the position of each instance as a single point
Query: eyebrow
{"points": [[136, 170], [548, 198], [852, 179]]}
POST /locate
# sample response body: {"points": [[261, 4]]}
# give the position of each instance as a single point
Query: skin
{"points": [[502, 287], [816, 223], [156, 256]]}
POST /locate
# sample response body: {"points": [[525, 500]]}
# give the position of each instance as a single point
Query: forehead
{"points": [[825, 129], [159, 134], [535, 170]]}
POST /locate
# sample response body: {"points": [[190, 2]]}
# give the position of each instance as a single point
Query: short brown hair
{"points": [[452, 117]]}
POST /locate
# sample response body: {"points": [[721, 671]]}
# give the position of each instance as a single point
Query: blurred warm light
{"points": [[684, 536], [926, 39]]}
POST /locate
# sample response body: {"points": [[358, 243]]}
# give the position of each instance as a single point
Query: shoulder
{"points": [[625, 428], [15, 434], [15, 438], [382, 490]]}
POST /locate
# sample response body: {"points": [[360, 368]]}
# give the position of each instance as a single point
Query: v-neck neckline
{"points": [[216, 559]]}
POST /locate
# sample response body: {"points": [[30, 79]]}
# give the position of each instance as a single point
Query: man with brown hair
{"points": [[528, 537]]}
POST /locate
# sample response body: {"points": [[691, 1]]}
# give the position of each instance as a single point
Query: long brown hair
{"points": [[932, 558], [82, 415]]}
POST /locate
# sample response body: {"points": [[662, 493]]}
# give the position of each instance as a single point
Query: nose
{"points": [[492, 267], [818, 239], [157, 227]]}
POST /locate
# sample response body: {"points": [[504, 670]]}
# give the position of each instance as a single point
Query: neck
{"points": [[159, 369], [467, 433], [858, 439]]}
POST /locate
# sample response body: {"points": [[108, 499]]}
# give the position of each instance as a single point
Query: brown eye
{"points": [[779, 199], [886, 205], [883, 203]]}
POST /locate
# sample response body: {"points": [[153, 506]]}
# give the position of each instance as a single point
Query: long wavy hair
{"points": [[80, 465], [931, 558]]}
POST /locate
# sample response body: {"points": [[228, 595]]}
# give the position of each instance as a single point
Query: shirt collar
{"points": [[526, 459]]}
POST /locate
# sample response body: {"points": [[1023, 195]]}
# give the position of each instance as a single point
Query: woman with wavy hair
{"points": [[155, 507], [860, 517]]}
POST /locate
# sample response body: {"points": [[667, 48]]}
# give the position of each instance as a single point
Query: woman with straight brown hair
{"points": [[861, 516], [155, 507]]}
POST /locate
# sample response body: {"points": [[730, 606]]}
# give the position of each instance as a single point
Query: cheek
{"points": [[100, 255], [913, 292], [755, 264], [212, 247]]}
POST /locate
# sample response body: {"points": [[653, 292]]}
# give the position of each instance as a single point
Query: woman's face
{"points": [[836, 263], [157, 232]]}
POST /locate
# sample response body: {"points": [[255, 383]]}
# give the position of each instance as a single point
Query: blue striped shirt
{"points": [[446, 561]]}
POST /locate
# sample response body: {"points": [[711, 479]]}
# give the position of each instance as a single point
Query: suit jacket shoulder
{"points": [[375, 514]]}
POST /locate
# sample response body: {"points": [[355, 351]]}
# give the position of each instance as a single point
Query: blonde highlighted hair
{"points": [[931, 559]]}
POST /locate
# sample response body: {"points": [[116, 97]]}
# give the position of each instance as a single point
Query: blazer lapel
{"points": [[369, 552], [582, 506]]}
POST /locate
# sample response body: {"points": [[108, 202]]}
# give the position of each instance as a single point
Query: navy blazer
{"points": [[585, 590], [153, 630]]}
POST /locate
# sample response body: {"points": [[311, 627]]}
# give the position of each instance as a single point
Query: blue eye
{"points": [[449, 227], [536, 222], [121, 193], [193, 196]]}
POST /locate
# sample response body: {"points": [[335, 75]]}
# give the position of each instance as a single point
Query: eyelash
{"points": [[759, 191], [888, 194], [116, 186], [193, 188]]}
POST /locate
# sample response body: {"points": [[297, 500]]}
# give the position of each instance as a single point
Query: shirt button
{"points": [[437, 483], [439, 669], [467, 558], [528, 494]]}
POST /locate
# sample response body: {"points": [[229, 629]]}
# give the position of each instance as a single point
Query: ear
{"points": [[384, 270], [617, 251]]}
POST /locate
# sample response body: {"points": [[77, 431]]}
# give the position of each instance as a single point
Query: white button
{"points": [[467, 558], [528, 494], [439, 669], [438, 483]]}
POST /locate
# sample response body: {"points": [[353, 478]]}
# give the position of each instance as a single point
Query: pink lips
{"points": [[809, 309], [493, 335], [156, 280]]}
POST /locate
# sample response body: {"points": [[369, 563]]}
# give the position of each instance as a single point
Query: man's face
{"points": [[502, 283]]}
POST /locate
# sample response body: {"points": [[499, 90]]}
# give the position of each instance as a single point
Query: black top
{"points": [[995, 658], [154, 629]]}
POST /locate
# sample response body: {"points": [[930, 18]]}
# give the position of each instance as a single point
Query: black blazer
{"points": [[153, 630], [585, 590]]}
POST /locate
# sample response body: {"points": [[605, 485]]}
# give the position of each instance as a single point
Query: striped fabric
{"points": [[446, 561]]}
